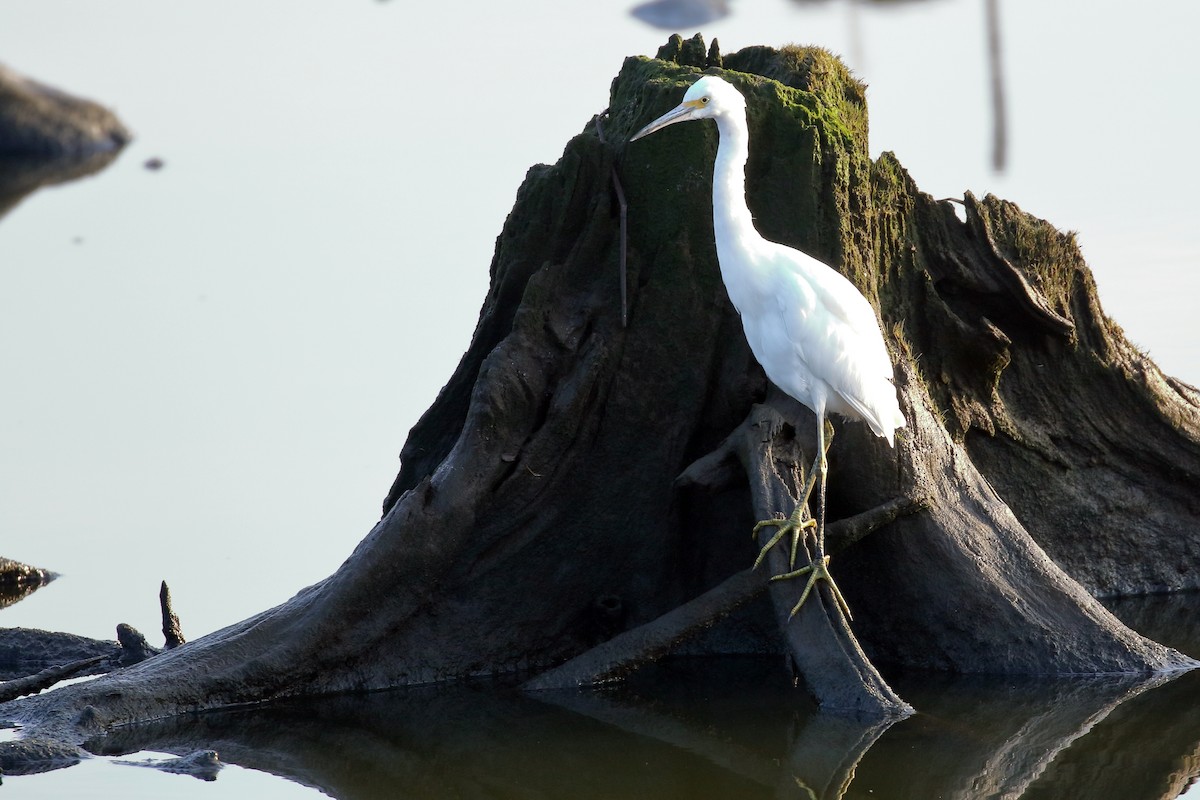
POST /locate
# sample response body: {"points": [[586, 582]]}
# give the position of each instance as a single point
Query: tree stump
{"points": [[536, 514]]}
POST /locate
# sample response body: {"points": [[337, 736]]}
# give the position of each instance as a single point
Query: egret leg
{"points": [[818, 569], [796, 524]]}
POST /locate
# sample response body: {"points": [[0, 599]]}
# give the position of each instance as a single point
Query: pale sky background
{"points": [[208, 371]]}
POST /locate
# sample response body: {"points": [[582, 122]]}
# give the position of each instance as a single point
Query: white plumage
{"points": [[814, 333]]}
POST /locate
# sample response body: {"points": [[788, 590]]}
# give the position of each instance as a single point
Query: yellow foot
{"points": [[792, 524], [816, 571]]}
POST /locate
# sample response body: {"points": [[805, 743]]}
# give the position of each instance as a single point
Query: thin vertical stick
{"points": [[996, 68], [172, 632], [616, 181]]}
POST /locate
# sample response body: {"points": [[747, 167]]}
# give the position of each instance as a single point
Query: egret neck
{"points": [[732, 223]]}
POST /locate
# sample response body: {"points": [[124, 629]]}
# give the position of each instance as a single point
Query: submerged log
{"points": [[536, 513]]}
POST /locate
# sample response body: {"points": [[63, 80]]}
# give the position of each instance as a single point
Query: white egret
{"points": [[812, 331]]}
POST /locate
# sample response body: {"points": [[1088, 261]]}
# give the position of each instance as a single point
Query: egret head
{"points": [[709, 97]]}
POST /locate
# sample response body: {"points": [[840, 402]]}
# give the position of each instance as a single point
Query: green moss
{"points": [[808, 176], [817, 72], [1049, 257], [893, 194]]}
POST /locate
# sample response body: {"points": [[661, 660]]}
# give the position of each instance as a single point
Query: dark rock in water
{"points": [[19, 580], [40, 121], [48, 136], [14, 573], [24, 651]]}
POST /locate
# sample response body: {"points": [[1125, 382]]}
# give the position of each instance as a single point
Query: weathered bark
{"points": [[630, 649], [1094, 450], [535, 514]]}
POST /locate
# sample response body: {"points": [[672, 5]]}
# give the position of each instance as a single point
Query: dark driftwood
{"points": [[24, 651], [536, 513], [32, 660], [32, 684]]}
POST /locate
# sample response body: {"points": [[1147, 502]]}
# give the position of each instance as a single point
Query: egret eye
{"points": [[704, 100]]}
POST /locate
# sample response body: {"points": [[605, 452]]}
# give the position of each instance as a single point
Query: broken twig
{"points": [[172, 633]]}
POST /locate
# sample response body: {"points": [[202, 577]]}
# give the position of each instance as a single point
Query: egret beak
{"points": [[681, 113]]}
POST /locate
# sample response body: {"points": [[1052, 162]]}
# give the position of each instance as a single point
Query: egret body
{"points": [[812, 331]]}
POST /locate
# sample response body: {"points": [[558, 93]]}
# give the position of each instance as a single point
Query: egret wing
{"points": [[835, 336]]}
